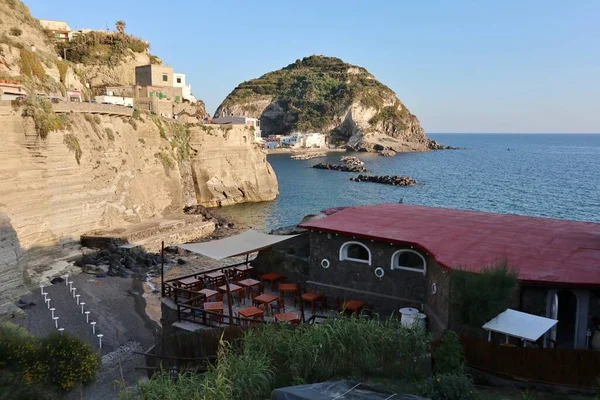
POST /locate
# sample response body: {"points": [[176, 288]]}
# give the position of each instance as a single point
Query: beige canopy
{"points": [[245, 243]]}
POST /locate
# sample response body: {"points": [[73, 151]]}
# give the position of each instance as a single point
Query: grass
{"points": [[260, 362], [62, 66], [166, 160], [31, 65]]}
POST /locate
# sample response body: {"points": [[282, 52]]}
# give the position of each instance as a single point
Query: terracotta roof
{"points": [[544, 250]]}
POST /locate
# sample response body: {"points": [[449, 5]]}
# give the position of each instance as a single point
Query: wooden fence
{"points": [[552, 366]]}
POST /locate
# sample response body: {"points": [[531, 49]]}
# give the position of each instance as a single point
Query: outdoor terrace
{"points": [[238, 295]]}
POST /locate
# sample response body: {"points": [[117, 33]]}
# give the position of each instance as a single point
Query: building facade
{"points": [[186, 90], [60, 29], [11, 90], [154, 75], [241, 120]]}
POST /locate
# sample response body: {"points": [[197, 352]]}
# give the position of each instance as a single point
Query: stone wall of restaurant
{"points": [[533, 300], [290, 259]]}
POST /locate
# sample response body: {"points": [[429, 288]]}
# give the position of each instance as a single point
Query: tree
{"points": [[120, 25]]}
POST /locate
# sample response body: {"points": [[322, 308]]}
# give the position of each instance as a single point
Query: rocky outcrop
{"points": [[387, 153], [129, 171], [324, 94], [433, 145], [386, 179], [349, 160], [340, 167], [307, 156]]}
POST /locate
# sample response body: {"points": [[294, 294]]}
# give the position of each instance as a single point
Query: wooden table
{"points": [[214, 275], [354, 305], [248, 283], [272, 277], [233, 288], [208, 293], [293, 288], [266, 298], [187, 282], [312, 298], [287, 317], [213, 307], [252, 312], [244, 269]]}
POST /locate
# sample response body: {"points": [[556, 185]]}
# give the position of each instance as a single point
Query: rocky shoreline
{"points": [[350, 160], [307, 156], [394, 180], [434, 145], [340, 167]]}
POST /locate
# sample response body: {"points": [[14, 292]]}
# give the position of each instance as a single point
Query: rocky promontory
{"points": [[349, 160], [340, 167], [325, 94], [393, 180]]}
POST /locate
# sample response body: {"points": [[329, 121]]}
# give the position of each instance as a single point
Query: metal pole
{"points": [[162, 269]]}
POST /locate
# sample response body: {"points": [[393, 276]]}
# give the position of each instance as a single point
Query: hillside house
{"points": [[60, 29], [11, 90], [399, 255]]}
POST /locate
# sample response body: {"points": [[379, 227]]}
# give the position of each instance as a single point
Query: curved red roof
{"points": [[544, 250]]}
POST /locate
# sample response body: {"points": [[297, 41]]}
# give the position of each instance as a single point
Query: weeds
{"points": [[109, 134], [44, 117]]}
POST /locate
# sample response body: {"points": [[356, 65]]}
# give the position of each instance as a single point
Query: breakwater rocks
{"points": [[433, 145], [340, 167], [349, 160], [393, 180], [116, 261], [307, 156]]}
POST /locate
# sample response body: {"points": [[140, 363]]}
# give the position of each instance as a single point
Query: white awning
{"points": [[519, 324], [245, 243]]}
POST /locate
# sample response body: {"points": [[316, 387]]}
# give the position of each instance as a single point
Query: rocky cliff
{"points": [[325, 94], [99, 172]]}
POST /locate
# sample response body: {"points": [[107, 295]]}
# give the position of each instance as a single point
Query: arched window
{"points": [[409, 260], [355, 251]]}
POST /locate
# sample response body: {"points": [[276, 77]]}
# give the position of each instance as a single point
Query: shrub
{"points": [[73, 145], [97, 120], [62, 70], [15, 31], [44, 117], [447, 387], [449, 357], [166, 160], [89, 118], [31, 65], [69, 360], [109, 134], [133, 124], [480, 297], [136, 114], [141, 140]]}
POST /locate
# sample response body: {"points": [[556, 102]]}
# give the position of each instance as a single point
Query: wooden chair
{"points": [[254, 296], [219, 297], [280, 306], [322, 302], [260, 289]]}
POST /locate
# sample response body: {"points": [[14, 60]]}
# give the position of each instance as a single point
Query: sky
{"points": [[508, 66]]}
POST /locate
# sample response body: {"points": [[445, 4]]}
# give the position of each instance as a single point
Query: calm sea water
{"points": [[544, 175]]}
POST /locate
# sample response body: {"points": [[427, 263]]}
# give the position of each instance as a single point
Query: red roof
{"points": [[544, 250]]}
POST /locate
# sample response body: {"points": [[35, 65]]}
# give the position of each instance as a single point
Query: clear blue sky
{"points": [[460, 66]]}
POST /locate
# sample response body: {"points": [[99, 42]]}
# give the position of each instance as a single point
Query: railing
{"points": [[169, 286], [552, 366], [198, 315]]}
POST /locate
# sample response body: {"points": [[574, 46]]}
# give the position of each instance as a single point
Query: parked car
{"points": [[56, 100], [21, 98]]}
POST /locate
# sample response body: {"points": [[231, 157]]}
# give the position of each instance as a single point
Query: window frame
{"points": [[344, 253], [165, 78], [396, 255]]}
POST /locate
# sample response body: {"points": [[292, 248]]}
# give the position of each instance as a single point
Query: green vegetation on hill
{"points": [[99, 47], [316, 90]]}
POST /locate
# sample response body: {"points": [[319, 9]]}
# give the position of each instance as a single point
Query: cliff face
{"points": [[129, 170], [324, 94]]}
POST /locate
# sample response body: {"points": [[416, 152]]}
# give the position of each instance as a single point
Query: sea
{"points": [[546, 175]]}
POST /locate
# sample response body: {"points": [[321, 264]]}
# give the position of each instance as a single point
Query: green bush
{"points": [[44, 117], [480, 297], [53, 362], [447, 387], [449, 357], [136, 114], [73, 145], [62, 66], [15, 31], [31, 65], [69, 361]]}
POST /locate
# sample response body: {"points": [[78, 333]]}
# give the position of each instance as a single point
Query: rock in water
{"points": [[386, 179], [349, 160], [340, 167], [325, 94], [387, 153]]}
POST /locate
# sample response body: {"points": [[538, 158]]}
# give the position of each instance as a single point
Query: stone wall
{"points": [[290, 259], [92, 108]]}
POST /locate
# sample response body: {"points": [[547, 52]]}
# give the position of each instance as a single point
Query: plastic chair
{"points": [[279, 306]]}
